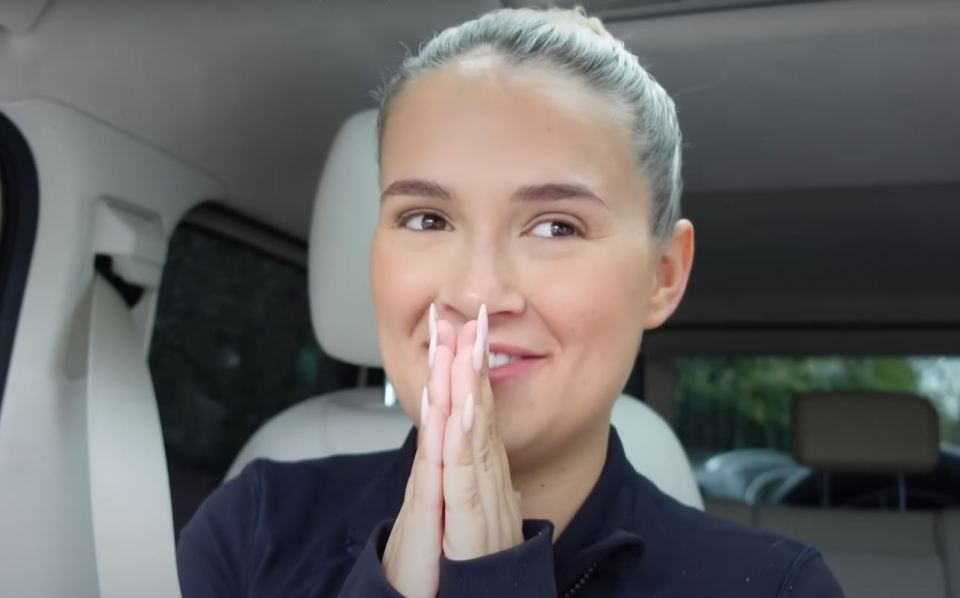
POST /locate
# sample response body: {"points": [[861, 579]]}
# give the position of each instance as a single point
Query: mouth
{"points": [[507, 363]]}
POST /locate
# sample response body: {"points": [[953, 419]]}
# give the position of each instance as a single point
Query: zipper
{"points": [[580, 582]]}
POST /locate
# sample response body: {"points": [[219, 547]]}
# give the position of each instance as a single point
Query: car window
{"points": [[232, 346], [733, 414], [19, 212]]}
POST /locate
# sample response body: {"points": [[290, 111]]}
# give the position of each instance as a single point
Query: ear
{"points": [[672, 271]]}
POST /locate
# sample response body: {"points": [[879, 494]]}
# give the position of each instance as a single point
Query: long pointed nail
{"points": [[432, 324], [480, 348], [424, 406], [467, 418]]}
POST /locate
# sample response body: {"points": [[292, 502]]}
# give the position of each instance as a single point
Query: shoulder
{"points": [[695, 547], [316, 483], [241, 538], [283, 499]]}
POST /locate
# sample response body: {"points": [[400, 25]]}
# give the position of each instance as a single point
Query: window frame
{"points": [[20, 197]]}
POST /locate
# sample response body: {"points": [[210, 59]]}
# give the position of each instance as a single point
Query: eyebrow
{"points": [[527, 193], [555, 192], [416, 188]]}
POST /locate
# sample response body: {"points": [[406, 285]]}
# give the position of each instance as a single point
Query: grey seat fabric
{"points": [[875, 554], [350, 421]]}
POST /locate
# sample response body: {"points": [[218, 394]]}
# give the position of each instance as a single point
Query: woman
{"points": [[529, 233]]}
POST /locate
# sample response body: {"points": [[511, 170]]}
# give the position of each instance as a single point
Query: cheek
{"points": [[402, 289], [594, 307], [591, 297]]}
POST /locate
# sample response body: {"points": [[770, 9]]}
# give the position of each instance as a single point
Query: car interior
{"points": [[187, 197]]}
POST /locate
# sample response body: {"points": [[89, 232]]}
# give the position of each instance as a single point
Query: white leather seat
{"points": [[353, 421]]}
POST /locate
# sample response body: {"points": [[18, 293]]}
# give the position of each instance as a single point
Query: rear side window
{"points": [[232, 346], [19, 210], [733, 417]]}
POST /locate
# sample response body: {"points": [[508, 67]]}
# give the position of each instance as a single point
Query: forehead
{"points": [[476, 121]]}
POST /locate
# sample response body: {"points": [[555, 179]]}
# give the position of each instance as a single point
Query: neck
{"points": [[556, 489]]}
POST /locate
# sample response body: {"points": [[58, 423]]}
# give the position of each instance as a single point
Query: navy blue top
{"points": [[318, 528]]}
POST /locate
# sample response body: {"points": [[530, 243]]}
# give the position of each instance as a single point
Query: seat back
{"points": [[865, 432], [344, 219], [875, 554], [357, 421]]}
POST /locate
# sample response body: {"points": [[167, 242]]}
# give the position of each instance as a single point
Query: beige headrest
{"points": [[345, 216], [868, 432]]}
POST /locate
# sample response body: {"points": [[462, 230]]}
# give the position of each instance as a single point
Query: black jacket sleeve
{"points": [[214, 551], [809, 577], [526, 570], [367, 578]]}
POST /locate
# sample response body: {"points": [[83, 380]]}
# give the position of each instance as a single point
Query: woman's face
{"points": [[518, 190]]}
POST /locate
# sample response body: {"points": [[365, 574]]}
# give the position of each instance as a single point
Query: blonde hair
{"points": [[569, 41]]}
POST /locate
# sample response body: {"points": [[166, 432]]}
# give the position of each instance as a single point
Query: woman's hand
{"points": [[459, 499], [411, 559], [481, 512]]}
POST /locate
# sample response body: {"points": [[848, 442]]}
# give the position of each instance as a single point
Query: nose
{"points": [[478, 276]]}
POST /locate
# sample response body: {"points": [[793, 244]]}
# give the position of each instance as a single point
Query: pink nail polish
{"points": [[432, 323], [467, 418], [424, 406], [480, 348]]}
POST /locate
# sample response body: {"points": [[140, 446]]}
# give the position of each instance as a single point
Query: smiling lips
{"points": [[504, 361], [513, 368]]}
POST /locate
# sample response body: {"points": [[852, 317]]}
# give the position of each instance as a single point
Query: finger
{"points": [[465, 525], [439, 382], [424, 519], [439, 333], [412, 553], [446, 335], [489, 444], [490, 464], [467, 449], [428, 463], [465, 529], [490, 469], [431, 334], [461, 370]]}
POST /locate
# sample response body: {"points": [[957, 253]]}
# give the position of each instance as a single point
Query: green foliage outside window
{"points": [[744, 402]]}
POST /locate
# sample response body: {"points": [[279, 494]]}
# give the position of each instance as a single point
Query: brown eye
{"points": [[424, 221], [552, 229]]}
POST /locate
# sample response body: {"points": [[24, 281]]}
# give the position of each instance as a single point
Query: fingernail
{"points": [[467, 418], [480, 345], [424, 405], [517, 494], [432, 324]]}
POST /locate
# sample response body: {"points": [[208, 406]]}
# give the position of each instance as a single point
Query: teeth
{"points": [[495, 360]]}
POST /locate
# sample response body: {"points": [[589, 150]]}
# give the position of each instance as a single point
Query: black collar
{"points": [[603, 525]]}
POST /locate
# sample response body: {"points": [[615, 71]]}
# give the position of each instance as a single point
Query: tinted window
{"points": [[733, 414], [232, 346]]}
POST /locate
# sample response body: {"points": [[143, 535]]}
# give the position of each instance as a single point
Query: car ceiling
{"points": [[828, 129]]}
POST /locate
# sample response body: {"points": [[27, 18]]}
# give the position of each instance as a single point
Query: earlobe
{"points": [[673, 272]]}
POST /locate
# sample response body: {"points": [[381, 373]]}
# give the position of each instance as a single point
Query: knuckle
{"points": [[485, 457]]}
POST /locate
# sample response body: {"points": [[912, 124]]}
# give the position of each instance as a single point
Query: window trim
{"points": [[20, 194], [801, 340], [233, 226]]}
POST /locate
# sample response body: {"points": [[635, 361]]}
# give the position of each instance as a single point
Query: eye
{"points": [[552, 229], [424, 221]]}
